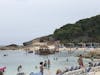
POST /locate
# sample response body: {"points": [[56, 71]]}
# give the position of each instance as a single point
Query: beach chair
{"points": [[72, 68], [66, 70], [88, 69], [95, 64], [98, 64], [90, 64], [76, 68]]}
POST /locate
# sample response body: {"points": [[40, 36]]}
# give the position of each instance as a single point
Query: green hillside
{"points": [[85, 30]]}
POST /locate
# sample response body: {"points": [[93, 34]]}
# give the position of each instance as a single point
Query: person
{"points": [[67, 59], [45, 64], [19, 68], [49, 64], [59, 72], [1, 73], [36, 67], [90, 64], [92, 58], [80, 61], [41, 68]]}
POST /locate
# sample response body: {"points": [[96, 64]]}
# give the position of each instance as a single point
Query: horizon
{"points": [[24, 20]]}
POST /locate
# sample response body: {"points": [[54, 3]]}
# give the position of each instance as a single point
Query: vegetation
{"points": [[86, 30]]}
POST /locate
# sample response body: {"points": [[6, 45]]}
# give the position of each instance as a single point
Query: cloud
{"points": [[28, 19], [7, 2]]}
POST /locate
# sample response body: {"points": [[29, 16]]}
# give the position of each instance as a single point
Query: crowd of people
{"points": [[46, 65], [80, 62], [43, 65]]}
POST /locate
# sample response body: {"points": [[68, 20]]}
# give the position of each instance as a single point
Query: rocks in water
{"points": [[10, 47]]}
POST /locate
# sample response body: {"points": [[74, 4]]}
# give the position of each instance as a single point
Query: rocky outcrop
{"points": [[93, 54], [46, 39], [10, 47]]}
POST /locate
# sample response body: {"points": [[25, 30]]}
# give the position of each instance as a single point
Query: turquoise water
{"points": [[30, 61]]}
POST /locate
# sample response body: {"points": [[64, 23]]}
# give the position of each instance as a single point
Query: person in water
{"points": [[80, 61], [41, 67], [19, 68], [45, 64], [49, 64]]}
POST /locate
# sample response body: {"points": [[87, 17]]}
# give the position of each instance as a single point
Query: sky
{"points": [[24, 20]]}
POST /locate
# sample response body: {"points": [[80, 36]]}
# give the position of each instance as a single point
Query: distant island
{"points": [[83, 31]]}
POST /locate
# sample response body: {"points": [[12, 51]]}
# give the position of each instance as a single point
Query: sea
{"points": [[30, 61]]}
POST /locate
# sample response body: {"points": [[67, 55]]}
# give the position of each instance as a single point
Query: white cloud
{"points": [[7, 2]]}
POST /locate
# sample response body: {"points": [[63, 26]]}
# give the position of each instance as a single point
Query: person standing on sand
{"points": [[80, 61], [59, 72], [41, 67]]}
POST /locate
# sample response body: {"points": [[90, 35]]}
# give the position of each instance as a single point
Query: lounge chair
{"points": [[71, 69], [76, 68], [99, 64], [88, 69]]}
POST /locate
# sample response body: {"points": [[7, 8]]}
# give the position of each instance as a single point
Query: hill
{"points": [[85, 30]]}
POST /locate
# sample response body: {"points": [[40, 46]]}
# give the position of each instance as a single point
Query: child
{"points": [[41, 67]]}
